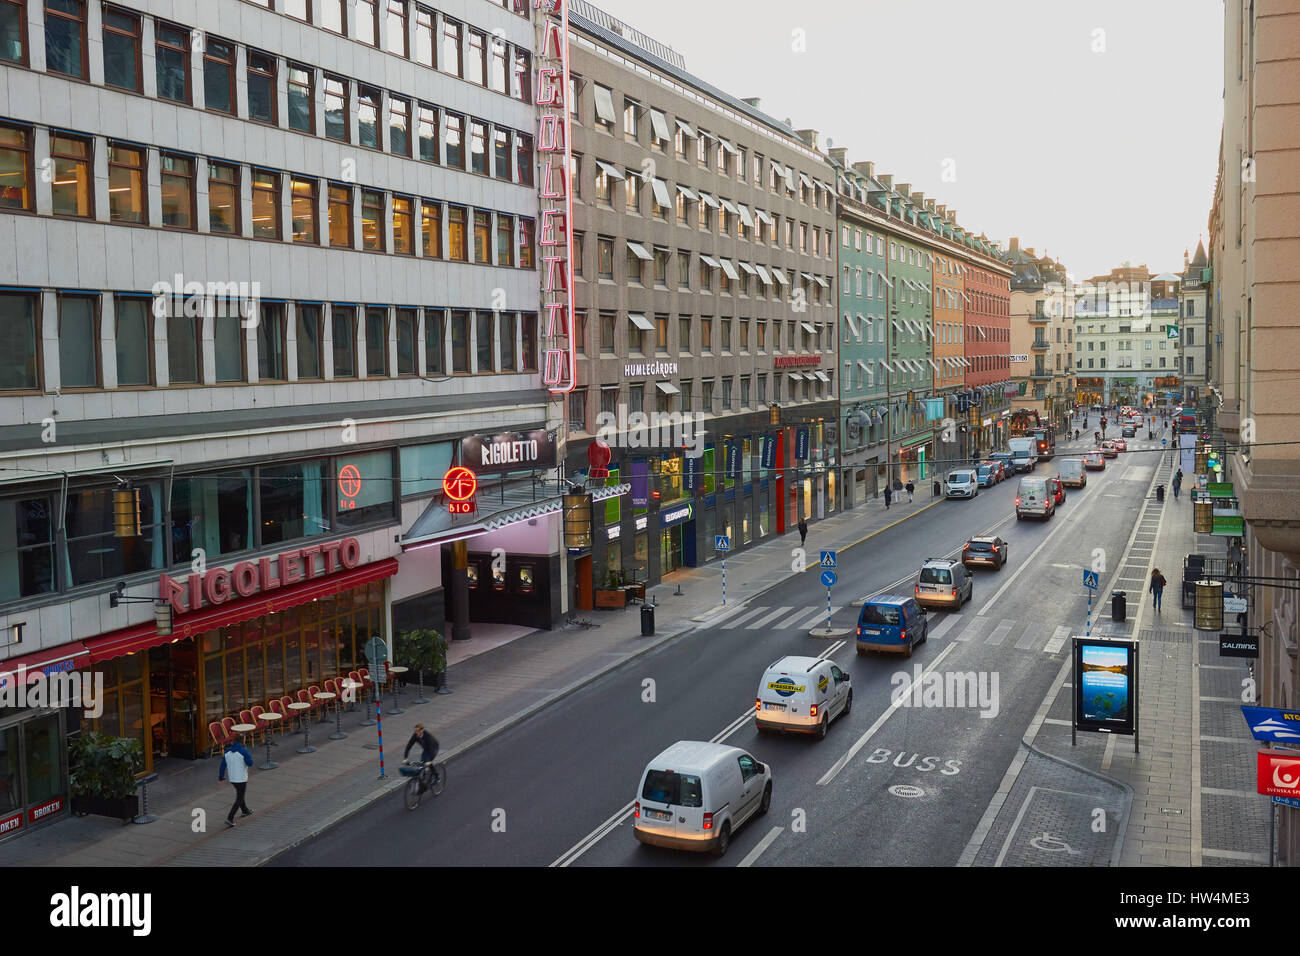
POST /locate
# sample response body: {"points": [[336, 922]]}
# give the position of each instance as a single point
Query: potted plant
{"points": [[612, 594], [424, 651], [103, 777]]}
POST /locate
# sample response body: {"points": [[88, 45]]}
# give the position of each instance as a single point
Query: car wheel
{"points": [[823, 727], [848, 704], [724, 840], [766, 803], [861, 652]]}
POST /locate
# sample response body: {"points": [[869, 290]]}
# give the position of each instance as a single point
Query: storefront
{"points": [[33, 768]]}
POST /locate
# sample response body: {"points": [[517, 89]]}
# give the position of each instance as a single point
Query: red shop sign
{"points": [[47, 809], [1277, 774], [11, 823]]}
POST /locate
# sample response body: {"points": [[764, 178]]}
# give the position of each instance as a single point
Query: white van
{"points": [[962, 483], [802, 694], [1072, 474], [694, 795], [1034, 498]]}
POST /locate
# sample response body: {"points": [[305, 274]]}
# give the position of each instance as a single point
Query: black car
{"points": [[989, 550], [1128, 431]]}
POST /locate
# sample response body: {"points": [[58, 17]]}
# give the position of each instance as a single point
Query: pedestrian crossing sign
{"points": [[828, 559], [721, 542], [1090, 580]]}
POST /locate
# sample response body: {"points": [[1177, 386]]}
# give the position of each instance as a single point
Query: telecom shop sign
{"points": [[1105, 686], [1268, 723], [509, 451], [676, 515]]}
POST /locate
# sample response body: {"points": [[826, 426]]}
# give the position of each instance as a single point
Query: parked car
{"points": [[1007, 460], [944, 583], [1056, 487], [1108, 450], [961, 483], [803, 695], [986, 475], [1094, 461], [999, 469], [694, 794], [986, 550], [1072, 472], [891, 622]]}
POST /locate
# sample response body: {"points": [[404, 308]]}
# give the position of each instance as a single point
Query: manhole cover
{"points": [[906, 790]]}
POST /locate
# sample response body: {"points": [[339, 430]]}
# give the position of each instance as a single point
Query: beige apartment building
{"points": [[1042, 333]]}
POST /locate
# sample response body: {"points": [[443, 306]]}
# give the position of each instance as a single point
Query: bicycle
{"points": [[426, 776]]}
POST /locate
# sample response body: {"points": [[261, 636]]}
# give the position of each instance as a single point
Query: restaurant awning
{"points": [[69, 656]]}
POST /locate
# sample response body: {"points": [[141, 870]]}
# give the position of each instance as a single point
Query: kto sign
{"points": [[248, 578]]}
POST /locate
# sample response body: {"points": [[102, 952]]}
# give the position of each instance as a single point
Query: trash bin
{"points": [[1150, 435], [938, 489], [1118, 606], [647, 620], [1160, 492]]}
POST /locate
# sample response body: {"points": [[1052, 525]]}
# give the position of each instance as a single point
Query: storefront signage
{"points": [[1238, 645], [612, 532], [801, 444], [643, 369], [733, 461], [639, 476], [459, 486], [769, 452], [1277, 773], [509, 451], [641, 523], [11, 823], [555, 158], [249, 578], [1231, 524], [349, 487], [691, 478], [46, 809], [796, 361], [1019, 357], [676, 515]]}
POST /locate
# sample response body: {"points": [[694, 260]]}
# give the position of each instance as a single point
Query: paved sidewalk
{"points": [[493, 691]]}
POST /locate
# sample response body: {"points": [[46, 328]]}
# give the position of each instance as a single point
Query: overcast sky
{"points": [[1087, 129]]}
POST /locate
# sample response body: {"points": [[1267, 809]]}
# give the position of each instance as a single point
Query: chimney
{"points": [[905, 189], [919, 199], [809, 136], [1030, 252], [886, 180], [929, 205], [751, 101], [841, 155], [1015, 244], [1186, 261], [952, 217], [865, 169], [942, 211]]}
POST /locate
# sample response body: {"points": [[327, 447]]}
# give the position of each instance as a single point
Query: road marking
{"points": [[1057, 640], [766, 842], [1000, 633], [1029, 638], [818, 618], [974, 629], [832, 650], [943, 628], [710, 622], [764, 620], [790, 621], [899, 697], [1058, 722], [735, 621]]}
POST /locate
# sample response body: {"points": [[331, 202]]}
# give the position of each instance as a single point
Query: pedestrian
{"points": [[235, 763], [889, 495], [910, 488], [803, 531], [1158, 583], [1178, 482]]}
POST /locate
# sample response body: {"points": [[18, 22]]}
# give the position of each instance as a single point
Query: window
{"points": [[457, 223], [424, 21], [451, 59], [527, 237], [524, 160], [706, 333], [372, 220], [302, 81], [505, 240], [661, 334], [706, 393], [304, 210], [631, 110], [478, 147], [65, 37], [403, 227], [455, 141], [433, 332], [431, 229], [399, 124], [228, 342], [634, 274], [71, 187], [377, 343], [340, 216], [507, 337], [121, 48], [294, 500], [498, 75], [482, 236], [344, 325], [13, 32], [15, 167], [219, 76], [183, 349], [605, 258], [126, 199], [607, 332], [94, 552], [485, 343], [726, 334], [270, 343], [172, 60], [308, 347], [266, 204], [177, 191], [396, 27], [78, 341], [460, 340], [332, 17], [633, 187], [223, 198], [726, 394], [523, 69], [296, 9], [501, 154], [476, 64], [528, 335], [336, 109], [367, 21], [428, 133], [368, 117], [578, 410]]}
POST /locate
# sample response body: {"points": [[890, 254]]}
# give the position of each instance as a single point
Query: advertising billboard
{"points": [[1105, 685]]}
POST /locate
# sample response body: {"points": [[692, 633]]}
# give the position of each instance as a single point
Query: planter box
{"points": [[611, 597], [119, 808]]}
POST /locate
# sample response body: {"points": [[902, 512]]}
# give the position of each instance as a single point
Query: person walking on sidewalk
{"points": [[1178, 482], [235, 763], [889, 496], [910, 488], [1158, 583], [803, 531]]}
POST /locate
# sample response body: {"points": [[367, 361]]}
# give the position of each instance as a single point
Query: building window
{"points": [[501, 154], [528, 334], [344, 325], [13, 32], [177, 191], [340, 216], [261, 87], [578, 410], [455, 141], [482, 236], [403, 238], [65, 37], [332, 15], [367, 22], [507, 338], [228, 342], [523, 69], [270, 343], [524, 160], [498, 75], [336, 109], [126, 200], [184, 359], [368, 117], [298, 9], [605, 258], [505, 240], [607, 332], [172, 57], [223, 198], [485, 343], [726, 394], [372, 220], [377, 343], [219, 76], [476, 66], [309, 341], [433, 332], [78, 341], [301, 99], [396, 27], [15, 168], [431, 229], [121, 47], [451, 59], [460, 341], [478, 147], [304, 210], [457, 224], [266, 204], [527, 242], [72, 183], [134, 341]]}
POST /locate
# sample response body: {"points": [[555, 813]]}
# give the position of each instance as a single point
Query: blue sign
{"points": [[828, 559], [733, 461], [1267, 723], [829, 579], [801, 444], [1090, 580], [721, 542], [1287, 801], [676, 514], [769, 452]]}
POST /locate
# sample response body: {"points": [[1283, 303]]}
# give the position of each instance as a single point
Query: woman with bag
{"points": [[1157, 588]]}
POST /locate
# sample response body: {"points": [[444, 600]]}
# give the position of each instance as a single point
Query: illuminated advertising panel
{"points": [[1105, 685]]}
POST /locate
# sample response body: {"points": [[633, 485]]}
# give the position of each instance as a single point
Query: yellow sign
{"points": [[786, 687], [821, 684]]}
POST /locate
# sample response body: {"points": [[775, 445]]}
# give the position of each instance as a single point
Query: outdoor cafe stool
{"points": [[301, 708], [270, 717]]}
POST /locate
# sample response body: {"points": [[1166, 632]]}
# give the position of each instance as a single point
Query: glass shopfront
{"points": [[33, 769]]}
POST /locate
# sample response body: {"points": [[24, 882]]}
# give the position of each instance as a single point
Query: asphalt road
{"points": [[558, 787]]}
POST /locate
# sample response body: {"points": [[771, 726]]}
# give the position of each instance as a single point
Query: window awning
{"points": [[659, 123], [661, 192], [745, 216], [796, 376], [729, 206], [864, 366], [852, 323], [822, 376], [821, 282], [52, 660], [708, 199], [641, 322], [810, 376], [803, 178], [886, 280], [807, 327], [885, 365], [639, 251], [749, 268], [933, 363], [764, 217], [685, 127], [965, 296], [711, 262], [763, 274], [705, 134], [780, 276], [609, 170], [897, 327], [604, 105], [730, 269], [668, 388], [727, 146], [807, 275], [685, 191], [789, 178]]}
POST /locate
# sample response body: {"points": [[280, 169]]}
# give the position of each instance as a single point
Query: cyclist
{"points": [[428, 750]]}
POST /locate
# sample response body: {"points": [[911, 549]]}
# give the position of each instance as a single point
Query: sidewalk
{"points": [[493, 691]]}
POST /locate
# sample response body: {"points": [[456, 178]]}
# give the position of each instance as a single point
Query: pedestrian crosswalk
{"points": [[962, 628]]}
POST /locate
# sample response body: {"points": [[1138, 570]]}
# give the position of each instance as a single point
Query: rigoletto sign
{"points": [[509, 451], [250, 578]]}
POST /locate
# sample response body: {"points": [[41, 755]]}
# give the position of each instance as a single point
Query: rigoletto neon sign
{"points": [[559, 360]]}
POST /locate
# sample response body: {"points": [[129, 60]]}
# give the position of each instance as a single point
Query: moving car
{"points": [[695, 794], [1108, 450], [1120, 444], [1073, 473], [891, 622], [1129, 431], [944, 583], [1033, 498], [961, 483], [1056, 487], [1094, 461], [989, 550], [986, 475], [802, 694]]}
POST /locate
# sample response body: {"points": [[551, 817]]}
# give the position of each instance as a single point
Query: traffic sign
{"points": [[1171, 331], [1287, 801], [1269, 723], [829, 579], [1090, 580], [721, 542], [828, 559]]}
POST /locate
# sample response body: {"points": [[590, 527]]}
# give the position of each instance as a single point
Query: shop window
{"points": [[94, 552], [471, 574], [423, 466], [26, 548], [43, 747], [293, 501], [364, 486]]}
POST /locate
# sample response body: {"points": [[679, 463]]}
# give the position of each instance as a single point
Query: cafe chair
{"points": [[218, 741], [262, 725], [289, 715], [365, 677], [332, 687], [316, 705], [246, 717], [227, 733], [277, 705], [355, 677]]}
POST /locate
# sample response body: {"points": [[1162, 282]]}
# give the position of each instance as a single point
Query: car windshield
{"points": [[936, 576], [958, 478], [879, 614], [674, 789]]}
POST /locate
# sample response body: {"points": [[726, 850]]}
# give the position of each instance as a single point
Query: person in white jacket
{"points": [[235, 763]]}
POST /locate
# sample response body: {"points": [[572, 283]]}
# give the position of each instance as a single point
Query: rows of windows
{"points": [[859, 237], [635, 334], [284, 206], [108, 341], [353, 111]]}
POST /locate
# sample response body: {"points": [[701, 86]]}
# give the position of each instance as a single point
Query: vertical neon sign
{"points": [[559, 372]]}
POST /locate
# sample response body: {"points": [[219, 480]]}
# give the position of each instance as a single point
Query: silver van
{"points": [[1034, 498], [961, 483], [694, 795], [1072, 473]]}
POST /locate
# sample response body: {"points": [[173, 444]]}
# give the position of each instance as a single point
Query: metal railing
{"points": [[631, 34]]}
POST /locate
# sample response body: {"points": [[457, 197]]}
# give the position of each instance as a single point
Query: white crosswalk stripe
{"points": [[792, 620], [729, 612], [1029, 640], [768, 617], [735, 621], [999, 633], [818, 619], [1057, 640], [974, 629], [944, 627]]}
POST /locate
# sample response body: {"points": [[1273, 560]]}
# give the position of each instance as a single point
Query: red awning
{"points": [[52, 660], [143, 636]]}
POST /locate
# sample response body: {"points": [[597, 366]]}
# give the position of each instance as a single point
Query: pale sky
{"points": [[1095, 157]]}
